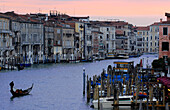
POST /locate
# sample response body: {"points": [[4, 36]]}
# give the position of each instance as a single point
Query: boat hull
{"points": [[107, 102], [19, 92]]}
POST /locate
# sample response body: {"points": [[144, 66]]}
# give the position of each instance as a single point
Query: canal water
{"points": [[56, 86]]}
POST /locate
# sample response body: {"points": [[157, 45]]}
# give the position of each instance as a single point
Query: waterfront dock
{"points": [[127, 86]]}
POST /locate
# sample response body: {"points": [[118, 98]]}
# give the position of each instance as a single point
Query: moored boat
{"points": [[107, 102], [123, 66], [25, 64], [122, 56], [110, 56]]}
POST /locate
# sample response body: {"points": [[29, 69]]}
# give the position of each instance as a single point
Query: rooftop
{"points": [[167, 14], [142, 28]]}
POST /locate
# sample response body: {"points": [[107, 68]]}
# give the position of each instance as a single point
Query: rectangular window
{"points": [[58, 42], [1, 25], [107, 29], [165, 31], [35, 26], [165, 46], [143, 33], [112, 36], [107, 37], [68, 43], [58, 31], [4, 25], [0, 41], [23, 37], [35, 37]]}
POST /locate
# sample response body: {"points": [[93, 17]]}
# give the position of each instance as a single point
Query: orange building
{"points": [[164, 37]]}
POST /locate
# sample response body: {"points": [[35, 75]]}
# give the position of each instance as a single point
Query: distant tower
{"points": [[50, 12]]}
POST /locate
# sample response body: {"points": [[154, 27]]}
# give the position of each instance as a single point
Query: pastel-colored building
{"points": [[49, 41], [88, 40], [58, 41], [142, 39], [108, 37], [79, 30], [122, 36], [164, 37], [68, 43], [6, 47], [154, 38]]}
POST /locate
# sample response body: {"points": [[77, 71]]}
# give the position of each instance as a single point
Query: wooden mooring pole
{"points": [[84, 80]]}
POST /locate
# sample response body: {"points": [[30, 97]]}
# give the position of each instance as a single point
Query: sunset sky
{"points": [[137, 12]]}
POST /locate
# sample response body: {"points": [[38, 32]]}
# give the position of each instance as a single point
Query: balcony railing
{"points": [[36, 42], [7, 48], [68, 47], [5, 31], [26, 43]]}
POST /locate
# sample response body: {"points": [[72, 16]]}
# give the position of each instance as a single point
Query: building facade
{"points": [[6, 47], [68, 44], [108, 38], [58, 35], [164, 38], [49, 41], [154, 38], [142, 40]]}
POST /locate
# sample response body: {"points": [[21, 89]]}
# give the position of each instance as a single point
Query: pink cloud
{"points": [[90, 7]]}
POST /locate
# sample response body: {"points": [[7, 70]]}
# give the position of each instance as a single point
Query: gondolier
{"points": [[19, 92]]}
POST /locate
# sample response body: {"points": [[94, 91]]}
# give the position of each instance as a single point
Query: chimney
{"points": [[161, 20], [168, 16]]}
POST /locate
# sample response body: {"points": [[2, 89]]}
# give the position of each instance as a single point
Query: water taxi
{"points": [[110, 56], [123, 66], [122, 56]]}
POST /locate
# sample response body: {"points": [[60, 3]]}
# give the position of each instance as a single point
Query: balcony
{"points": [[36, 43], [25, 43], [121, 37], [5, 31], [107, 39], [7, 48], [68, 47]]}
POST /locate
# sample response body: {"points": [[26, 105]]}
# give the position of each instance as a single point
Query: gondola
{"points": [[19, 92]]}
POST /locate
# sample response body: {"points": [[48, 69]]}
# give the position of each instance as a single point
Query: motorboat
{"points": [[107, 102], [122, 56]]}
